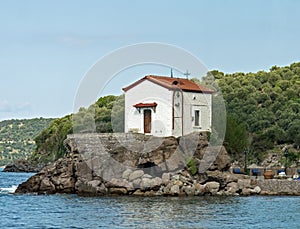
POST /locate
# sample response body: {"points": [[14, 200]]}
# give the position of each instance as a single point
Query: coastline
{"points": [[155, 173]]}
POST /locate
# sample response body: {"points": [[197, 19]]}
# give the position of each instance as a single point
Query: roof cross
{"points": [[187, 73]]}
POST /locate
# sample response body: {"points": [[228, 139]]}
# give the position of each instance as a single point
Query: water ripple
{"points": [[71, 211]]}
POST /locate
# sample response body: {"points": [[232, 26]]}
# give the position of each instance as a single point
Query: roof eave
{"points": [[198, 91], [125, 89]]}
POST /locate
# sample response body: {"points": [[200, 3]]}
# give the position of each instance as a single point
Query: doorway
{"points": [[147, 121]]}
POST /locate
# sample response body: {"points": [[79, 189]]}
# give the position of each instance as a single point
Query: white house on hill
{"points": [[166, 106]]}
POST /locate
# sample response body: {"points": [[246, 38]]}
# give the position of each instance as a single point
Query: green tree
{"points": [[96, 118], [236, 137]]}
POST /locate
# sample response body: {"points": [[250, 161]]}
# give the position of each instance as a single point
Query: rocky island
{"points": [[97, 165]]}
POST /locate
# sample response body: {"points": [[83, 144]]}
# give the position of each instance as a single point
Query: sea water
{"points": [[71, 211]]}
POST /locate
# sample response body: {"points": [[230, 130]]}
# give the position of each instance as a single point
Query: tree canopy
{"points": [[266, 102], [104, 116]]}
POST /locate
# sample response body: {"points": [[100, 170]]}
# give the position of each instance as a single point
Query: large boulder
{"points": [[213, 187], [222, 161], [135, 175], [150, 184], [232, 188]]}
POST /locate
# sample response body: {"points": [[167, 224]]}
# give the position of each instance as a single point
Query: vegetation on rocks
{"points": [[192, 167], [49, 143]]}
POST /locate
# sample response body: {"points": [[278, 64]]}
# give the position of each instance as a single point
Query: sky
{"points": [[47, 47]]}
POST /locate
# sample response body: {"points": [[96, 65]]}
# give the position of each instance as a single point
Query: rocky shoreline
{"points": [[25, 166], [175, 167]]}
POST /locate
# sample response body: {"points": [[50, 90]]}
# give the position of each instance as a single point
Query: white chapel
{"points": [[166, 106]]}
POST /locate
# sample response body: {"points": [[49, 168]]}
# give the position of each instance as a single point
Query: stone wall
{"points": [[279, 187]]}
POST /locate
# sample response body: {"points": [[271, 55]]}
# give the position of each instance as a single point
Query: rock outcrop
{"points": [[134, 164], [23, 165]]}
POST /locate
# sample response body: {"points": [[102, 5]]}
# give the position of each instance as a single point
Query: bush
{"points": [[192, 166]]}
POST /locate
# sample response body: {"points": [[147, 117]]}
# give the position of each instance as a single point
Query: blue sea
{"points": [[71, 211]]}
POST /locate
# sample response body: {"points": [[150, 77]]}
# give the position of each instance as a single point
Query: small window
{"points": [[197, 117]]}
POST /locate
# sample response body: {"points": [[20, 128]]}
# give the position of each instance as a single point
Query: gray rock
{"points": [[176, 162], [189, 190], [218, 176], [66, 185], [257, 190], [115, 182], [167, 189], [83, 171], [178, 183], [165, 178], [121, 183], [126, 174], [145, 184], [47, 186], [244, 183], [246, 191], [138, 192], [136, 174], [136, 183], [223, 160], [213, 187], [156, 182], [102, 189], [220, 193], [175, 190], [232, 188], [118, 191], [200, 189], [94, 183], [185, 179], [146, 176], [231, 177], [213, 158], [175, 177]]}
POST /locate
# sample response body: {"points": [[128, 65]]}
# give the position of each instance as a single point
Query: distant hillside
{"points": [[17, 138]]}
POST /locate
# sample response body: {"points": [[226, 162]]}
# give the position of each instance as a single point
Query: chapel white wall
{"points": [[149, 92], [197, 101]]}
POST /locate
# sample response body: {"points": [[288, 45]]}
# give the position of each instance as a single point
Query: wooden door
{"points": [[147, 121]]}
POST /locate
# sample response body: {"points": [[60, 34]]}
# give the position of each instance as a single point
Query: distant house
{"points": [[166, 106]]}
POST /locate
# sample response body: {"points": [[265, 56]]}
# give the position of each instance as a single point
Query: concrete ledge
{"points": [[279, 187]]}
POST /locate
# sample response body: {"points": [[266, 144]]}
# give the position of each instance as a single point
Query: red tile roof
{"points": [[141, 105], [172, 84]]}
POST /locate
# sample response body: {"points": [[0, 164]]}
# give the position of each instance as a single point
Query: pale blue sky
{"points": [[46, 47]]}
